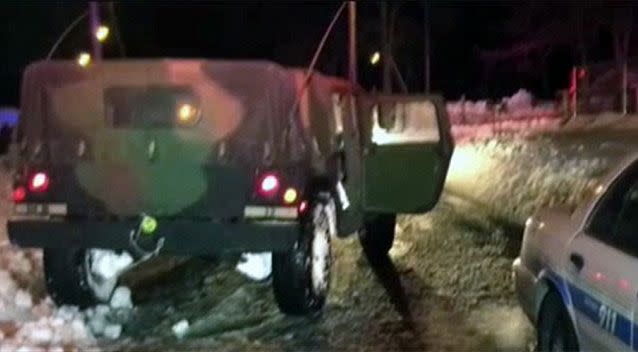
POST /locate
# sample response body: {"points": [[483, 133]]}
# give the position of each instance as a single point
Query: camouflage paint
{"points": [[206, 170], [391, 188]]}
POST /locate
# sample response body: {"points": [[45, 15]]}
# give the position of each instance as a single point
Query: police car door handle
{"points": [[577, 260]]}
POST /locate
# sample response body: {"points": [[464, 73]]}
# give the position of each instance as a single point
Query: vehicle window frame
{"points": [[402, 137]]}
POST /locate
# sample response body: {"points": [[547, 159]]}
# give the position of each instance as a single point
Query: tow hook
{"points": [[146, 229]]}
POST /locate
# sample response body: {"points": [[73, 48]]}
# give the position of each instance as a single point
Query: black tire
{"points": [[378, 235], [298, 290], [554, 326], [66, 275]]}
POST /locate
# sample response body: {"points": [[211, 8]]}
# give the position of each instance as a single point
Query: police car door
{"points": [[602, 268]]}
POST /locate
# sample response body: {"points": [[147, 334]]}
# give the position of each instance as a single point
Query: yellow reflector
{"points": [[149, 225], [290, 196]]}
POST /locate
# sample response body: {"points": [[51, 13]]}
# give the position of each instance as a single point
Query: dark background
{"points": [[288, 33]]}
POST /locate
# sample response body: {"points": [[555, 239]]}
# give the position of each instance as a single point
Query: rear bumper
{"points": [[181, 237]]}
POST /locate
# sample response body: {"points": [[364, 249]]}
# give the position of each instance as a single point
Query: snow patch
{"points": [[112, 331], [180, 328], [121, 298], [108, 263], [256, 266], [23, 299]]}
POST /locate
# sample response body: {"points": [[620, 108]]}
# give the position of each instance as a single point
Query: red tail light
{"points": [[19, 194], [39, 182], [268, 185]]}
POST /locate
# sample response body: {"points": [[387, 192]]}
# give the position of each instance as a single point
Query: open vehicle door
{"points": [[408, 146]]}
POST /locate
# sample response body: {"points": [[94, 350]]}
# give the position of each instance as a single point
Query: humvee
{"points": [[136, 158]]}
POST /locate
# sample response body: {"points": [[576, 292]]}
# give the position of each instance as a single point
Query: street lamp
{"points": [[375, 58], [102, 32], [84, 59]]}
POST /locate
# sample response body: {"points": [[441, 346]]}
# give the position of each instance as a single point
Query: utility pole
{"points": [[385, 49], [352, 43], [426, 23], [624, 86], [94, 23]]}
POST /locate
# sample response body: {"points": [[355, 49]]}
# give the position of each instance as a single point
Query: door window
{"points": [[404, 123], [615, 218]]}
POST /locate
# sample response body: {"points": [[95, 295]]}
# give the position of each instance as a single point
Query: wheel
{"points": [[378, 235], [554, 326], [301, 276], [70, 279]]}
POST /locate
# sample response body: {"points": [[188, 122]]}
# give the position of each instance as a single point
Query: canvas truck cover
{"points": [[167, 137]]}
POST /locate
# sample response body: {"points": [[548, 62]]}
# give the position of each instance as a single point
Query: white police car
{"points": [[577, 273]]}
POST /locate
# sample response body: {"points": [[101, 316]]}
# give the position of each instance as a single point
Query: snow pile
{"points": [[106, 320], [107, 265], [28, 326], [521, 100], [514, 177], [256, 266], [30, 321]]}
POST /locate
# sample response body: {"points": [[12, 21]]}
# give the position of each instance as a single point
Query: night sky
{"points": [[288, 33]]}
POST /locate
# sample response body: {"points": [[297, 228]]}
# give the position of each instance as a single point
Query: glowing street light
{"points": [[84, 59], [375, 58], [102, 33]]}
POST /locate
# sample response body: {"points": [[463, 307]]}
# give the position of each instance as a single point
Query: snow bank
{"points": [[518, 107], [476, 132], [521, 100], [515, 177]]}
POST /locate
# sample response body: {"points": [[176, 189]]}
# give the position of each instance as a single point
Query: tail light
{"points": [[268, 185], [39, 182], [19, 194], [275, 189]]}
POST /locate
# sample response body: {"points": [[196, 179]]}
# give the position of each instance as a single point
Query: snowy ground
{"points": [[445, 286]]}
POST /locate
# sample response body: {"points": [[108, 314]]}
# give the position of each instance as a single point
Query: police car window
{"points": [[625, 232], [615, 218]]}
